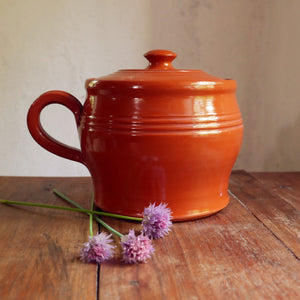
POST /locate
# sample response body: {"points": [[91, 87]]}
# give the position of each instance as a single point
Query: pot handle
{"points": [[41, 136]]}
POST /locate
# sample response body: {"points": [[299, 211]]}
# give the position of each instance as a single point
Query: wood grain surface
{"points": [[226, 256], [39, 247], [285, 185], [277, 214], [249, 250]]}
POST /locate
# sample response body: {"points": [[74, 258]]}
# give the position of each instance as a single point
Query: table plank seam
{"points": [[260, 221], [98, 272], [98, 282]]}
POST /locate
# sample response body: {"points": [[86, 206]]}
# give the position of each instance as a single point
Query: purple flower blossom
{"points": [[98, 249], [136, 249], [156, 221]]}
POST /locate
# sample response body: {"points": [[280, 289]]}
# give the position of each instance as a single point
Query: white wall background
{"points": [[47, 45]]}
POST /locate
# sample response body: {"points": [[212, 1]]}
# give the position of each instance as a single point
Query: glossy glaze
{"points": [[153, 135]]}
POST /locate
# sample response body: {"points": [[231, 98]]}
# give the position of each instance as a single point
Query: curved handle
{"points": [[41, 136]]}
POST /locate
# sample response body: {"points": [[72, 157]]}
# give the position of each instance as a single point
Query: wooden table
{"points": [[249, 250]]}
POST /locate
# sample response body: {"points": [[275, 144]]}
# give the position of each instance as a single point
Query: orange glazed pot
{"points": [[154, 135]]}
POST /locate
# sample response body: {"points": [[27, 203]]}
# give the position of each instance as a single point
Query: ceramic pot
{"points": [[158, 134]]}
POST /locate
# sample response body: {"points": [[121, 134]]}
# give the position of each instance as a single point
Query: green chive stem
{"points": [[48, 206], [80, 207], [91, 219], [101, 213], [108, 227], [89, 212]]}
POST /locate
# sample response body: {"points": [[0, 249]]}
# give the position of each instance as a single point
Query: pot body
{"points": [[151, 136], [180, 151]]}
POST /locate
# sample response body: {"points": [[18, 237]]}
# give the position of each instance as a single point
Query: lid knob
{"points": [[160, 59]]}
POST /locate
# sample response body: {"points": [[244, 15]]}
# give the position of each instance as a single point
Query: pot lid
{"points": [[160, 76]]}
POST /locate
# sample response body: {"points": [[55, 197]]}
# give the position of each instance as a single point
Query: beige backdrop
{"points": [[55, 44]]}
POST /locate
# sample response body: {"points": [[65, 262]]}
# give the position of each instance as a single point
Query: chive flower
{"points": [[136, 249], [98, 249], [156, 221]]}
